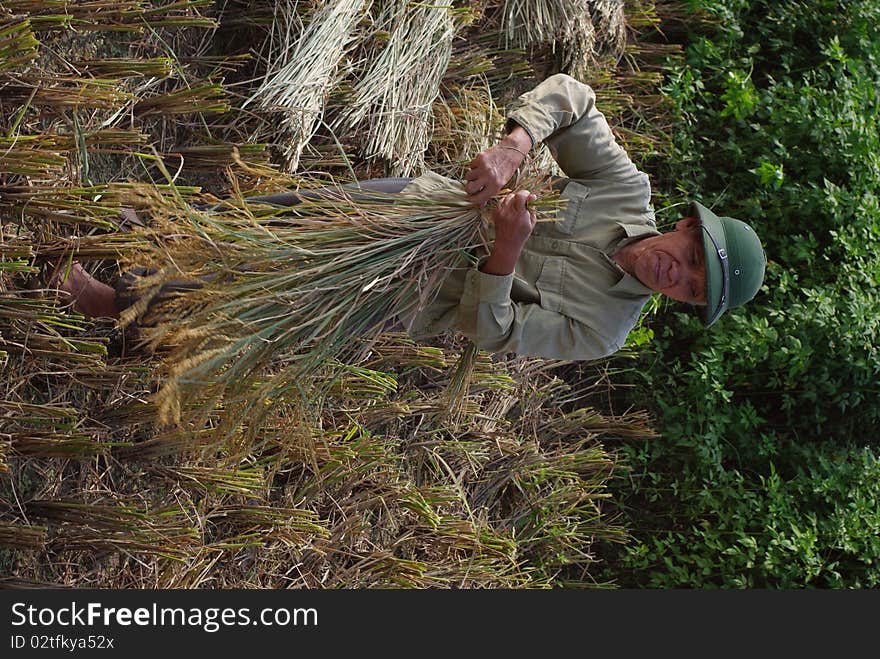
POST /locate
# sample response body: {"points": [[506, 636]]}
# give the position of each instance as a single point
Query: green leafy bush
{"points": [[779, 125], [819, 528]]}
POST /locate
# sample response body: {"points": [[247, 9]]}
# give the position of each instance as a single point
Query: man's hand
{"points": [[493, 168], [513, 225]]}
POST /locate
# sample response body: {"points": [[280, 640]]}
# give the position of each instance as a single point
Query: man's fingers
{"points": [[472, 174], [475, 186], [480, 198], [521, 198]]}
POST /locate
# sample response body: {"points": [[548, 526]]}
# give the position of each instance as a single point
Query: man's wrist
{"points": [[518, 139], [502, 259]]}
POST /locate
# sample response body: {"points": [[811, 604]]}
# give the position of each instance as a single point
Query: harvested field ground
{"points": [[419, 465]]}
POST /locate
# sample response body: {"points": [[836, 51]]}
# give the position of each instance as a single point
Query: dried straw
{"points": [[391, 103], [308, 69], [528, 23], [288, 297]]}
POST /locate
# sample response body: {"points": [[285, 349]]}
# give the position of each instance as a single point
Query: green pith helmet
{"points": [[735, 262]]}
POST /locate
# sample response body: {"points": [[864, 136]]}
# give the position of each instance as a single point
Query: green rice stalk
{"points": [[307, 68], [18, 46]]}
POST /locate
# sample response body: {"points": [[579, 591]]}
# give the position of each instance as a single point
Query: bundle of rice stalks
{"points": [[285, 294], [38, 156], [579, 45], [61, 443], [206, 98], [480, 57], [252, 159], [297, 87], [391, 101], [97, 205], [18, 46], [397, 350], [527, 23], [236, 526], [57, 92], [609, 19], [124, 527], [101, 140], [5, 444], [35, 328], [22, 537], [577, 33], [110, 15], [64, 206], [215, 479]]}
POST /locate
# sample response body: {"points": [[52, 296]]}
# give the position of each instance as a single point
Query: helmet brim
{"points": [[714, 252]]}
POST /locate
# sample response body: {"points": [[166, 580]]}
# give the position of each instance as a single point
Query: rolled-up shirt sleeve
{"points": [[494, 322], [562, 113]]}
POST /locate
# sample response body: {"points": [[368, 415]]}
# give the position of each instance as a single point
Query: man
{"points": [[571, 289]]}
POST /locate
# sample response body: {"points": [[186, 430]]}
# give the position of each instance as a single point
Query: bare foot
{"points": [[88, 296]]}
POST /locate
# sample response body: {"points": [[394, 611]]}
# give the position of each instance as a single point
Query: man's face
{"points": [[673, 263]]}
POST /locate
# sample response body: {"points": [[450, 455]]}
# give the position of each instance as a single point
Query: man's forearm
{"points": [[502, 260]]}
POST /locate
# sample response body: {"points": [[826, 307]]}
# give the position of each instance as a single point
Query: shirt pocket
{"points": [[574, 195], [550, 284]]}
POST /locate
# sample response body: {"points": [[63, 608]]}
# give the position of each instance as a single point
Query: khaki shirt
{"points": [[567, 299]]}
